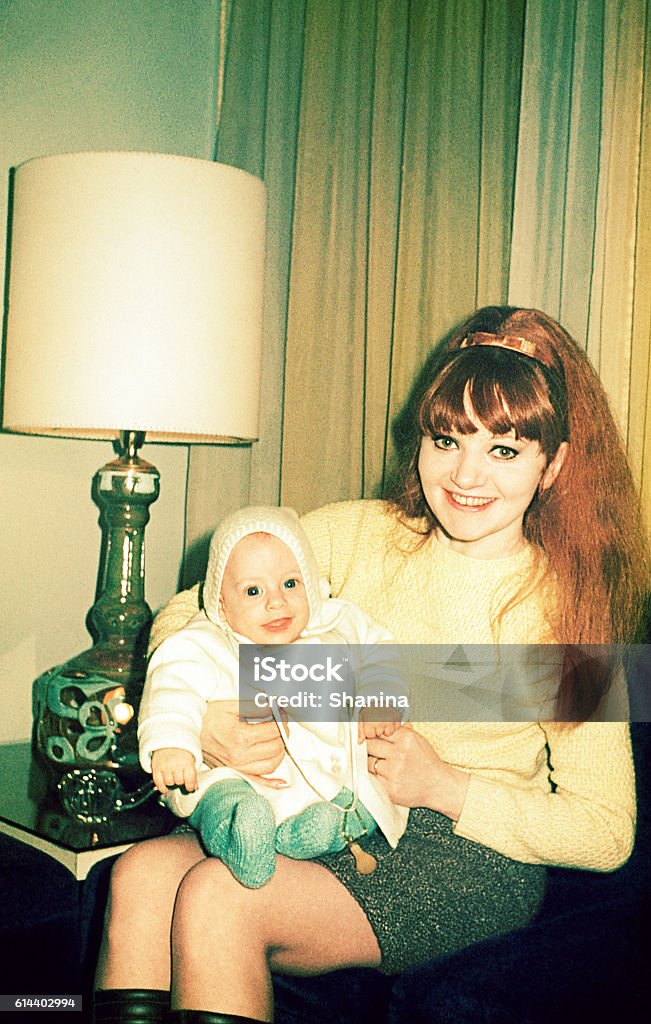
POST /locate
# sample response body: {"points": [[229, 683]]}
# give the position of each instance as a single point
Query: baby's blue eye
{"points": [[252, 591], [290, 584]]}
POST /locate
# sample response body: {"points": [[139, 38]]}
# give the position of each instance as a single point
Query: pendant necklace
{"points": [[365, 863]]}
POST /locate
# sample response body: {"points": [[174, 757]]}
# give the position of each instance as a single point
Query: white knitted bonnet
{"points": [[279, 522]]}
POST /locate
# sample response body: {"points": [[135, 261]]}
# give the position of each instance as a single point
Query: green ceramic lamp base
{"points": [[85, 711]]}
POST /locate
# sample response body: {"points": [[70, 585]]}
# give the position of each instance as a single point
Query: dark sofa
{"points": [[582, 959]]}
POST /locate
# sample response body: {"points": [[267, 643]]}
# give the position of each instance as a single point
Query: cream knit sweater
{"points": [[425, 593]]}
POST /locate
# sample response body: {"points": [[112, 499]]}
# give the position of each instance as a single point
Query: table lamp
{"points": [[134, 306]]}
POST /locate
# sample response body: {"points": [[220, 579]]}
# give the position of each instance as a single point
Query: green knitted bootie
{"points": [[237, 825], [323, 828]]}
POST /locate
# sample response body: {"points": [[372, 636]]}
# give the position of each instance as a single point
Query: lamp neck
{"points": [[130, 442], [124, 489]]}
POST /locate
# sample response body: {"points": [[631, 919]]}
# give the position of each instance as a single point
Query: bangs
{"points": [[506, 392]]}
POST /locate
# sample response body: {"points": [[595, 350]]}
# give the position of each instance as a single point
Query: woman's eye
{"points": [[444, 442], [252, 591], [290, 584], [503, 452]]}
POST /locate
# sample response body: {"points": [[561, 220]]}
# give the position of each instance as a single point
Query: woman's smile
{"points": [[468, 501]]}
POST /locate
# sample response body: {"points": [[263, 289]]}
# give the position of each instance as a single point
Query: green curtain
{"points": [[404, 192], [582, 223], [424, 157]]}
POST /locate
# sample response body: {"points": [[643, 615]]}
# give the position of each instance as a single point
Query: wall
{"points": [[87, 75]]}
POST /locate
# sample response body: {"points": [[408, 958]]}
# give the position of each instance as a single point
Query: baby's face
{"points": [[263, 595]]}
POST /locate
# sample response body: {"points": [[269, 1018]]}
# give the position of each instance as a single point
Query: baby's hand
{"points": [[171, 766], [377, 722]]}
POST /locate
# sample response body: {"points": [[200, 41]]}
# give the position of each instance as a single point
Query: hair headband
{"points": [[532, 349]]}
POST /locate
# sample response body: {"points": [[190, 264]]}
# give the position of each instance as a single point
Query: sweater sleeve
{"points": [[176, 614], [334, 532], [181, 678], [382, 670], [584, 819], [317, 529]]}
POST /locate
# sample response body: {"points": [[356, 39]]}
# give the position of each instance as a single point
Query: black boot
{"points": [[131, 1006], [206, 1017]]}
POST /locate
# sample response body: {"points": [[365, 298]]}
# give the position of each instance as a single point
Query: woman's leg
{"points": [[135, 950], [226, 939]]}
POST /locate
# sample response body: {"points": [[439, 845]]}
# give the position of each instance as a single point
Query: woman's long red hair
{"points": [[588, 523]]}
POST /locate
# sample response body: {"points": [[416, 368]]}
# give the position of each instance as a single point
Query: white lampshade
{"points": [[135, 298]]}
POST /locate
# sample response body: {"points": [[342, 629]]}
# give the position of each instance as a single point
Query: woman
{"points": [[516, 521]]}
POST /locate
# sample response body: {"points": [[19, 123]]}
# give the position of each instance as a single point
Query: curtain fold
{"points": [[325, 352], [618, 203], [384, 213], [286, 43], [424, 157], [557, 166], [639, 410]]}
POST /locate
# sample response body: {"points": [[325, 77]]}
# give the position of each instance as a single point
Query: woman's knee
{"points": [[210, 898], [132, 870], [151, 870], [204, 885]]}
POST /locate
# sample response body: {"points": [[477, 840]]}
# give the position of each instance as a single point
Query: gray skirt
{"points": [[437, 892]]}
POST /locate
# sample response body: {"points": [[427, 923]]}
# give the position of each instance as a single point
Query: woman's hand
{"points": [[252, 747], [414, 775]]}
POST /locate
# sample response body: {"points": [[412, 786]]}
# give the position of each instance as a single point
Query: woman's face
{"points": [[479, 487]]}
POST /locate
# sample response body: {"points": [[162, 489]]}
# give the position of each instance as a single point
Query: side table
{"points": [[30, 811]]}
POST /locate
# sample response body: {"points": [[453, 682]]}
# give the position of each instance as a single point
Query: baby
{"points": [[262, 586]]}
